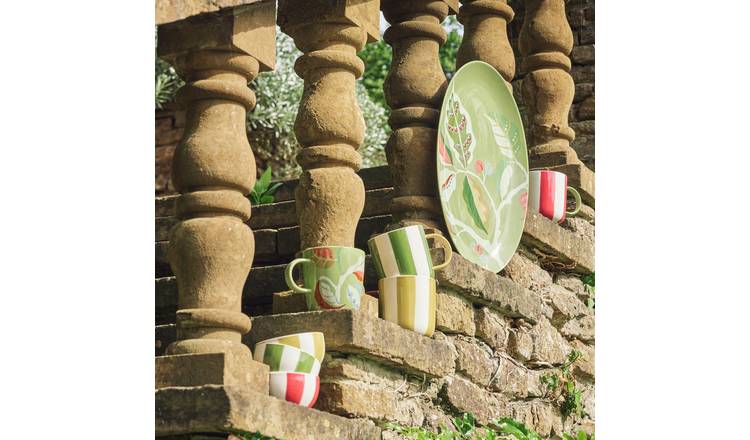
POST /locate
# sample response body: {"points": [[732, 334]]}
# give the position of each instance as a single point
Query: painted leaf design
{"points": [[445, 154], [354, 294], [326, 293], [501, 138], [505, 181], [471, 204]]}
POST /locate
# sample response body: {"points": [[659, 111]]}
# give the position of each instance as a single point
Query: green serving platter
{"points": [[482, 166]]}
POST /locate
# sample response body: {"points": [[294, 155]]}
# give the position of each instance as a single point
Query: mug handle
{"points": [[446, 247], [577, 198], [290, 280]]}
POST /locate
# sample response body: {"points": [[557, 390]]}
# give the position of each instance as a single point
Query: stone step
{"points": [[223, 409]]}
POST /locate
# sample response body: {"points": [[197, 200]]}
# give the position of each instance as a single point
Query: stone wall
{"points": [[580, 15], [497, 333]]}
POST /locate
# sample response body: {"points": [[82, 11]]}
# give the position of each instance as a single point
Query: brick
{"points": [[583, 74], [572, 283], [356, 333], [453, 314], [583, 54], [474, 362], [216, 409], [492, 328], [356, 399], [583, 128], [484, 287], [587, 109], [583, 91]]}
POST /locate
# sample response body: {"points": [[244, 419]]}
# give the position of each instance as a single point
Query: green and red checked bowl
{"points": [[281, 357], [299, 388]]}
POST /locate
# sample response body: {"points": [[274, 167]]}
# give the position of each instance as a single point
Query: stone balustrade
{"points": [[218, 47]]}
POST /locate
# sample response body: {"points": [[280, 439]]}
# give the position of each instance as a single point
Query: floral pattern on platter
{"points": [[482, 166]]}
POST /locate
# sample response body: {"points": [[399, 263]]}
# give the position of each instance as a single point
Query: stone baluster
{"points": [[211, 249], [329, 126], [414, 90], [486, 35], [545, 43]]}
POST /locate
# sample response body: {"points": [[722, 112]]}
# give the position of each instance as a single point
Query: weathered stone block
{"points": [[492, 328], [352, 332], [549, 237], [213, 408], [541, 344], [565, 305], [467, 397], [540, 415], [474, 362], [583, 91], [572, 283], [358, 399], [290, 302], [527, 273], [453, 314], [579, 328], [584, 365], [232, 369], [484, 287], [583, 128]]}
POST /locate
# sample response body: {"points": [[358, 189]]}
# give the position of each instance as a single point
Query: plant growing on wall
{"points": [[561, 386], [263, 190]]}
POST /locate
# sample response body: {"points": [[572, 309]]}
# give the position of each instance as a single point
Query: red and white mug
{"points": [[548, 192]]}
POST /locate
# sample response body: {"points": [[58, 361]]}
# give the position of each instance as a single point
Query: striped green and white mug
{"points": [[405, 251], [280, 357], [409, 301]]}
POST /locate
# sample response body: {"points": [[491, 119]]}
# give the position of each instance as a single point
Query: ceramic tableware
{"points": [[548, 192], [310, 342], [482, 166], [405, 251], [409, 301], [299, 388], [332, 277], [280, 357]]}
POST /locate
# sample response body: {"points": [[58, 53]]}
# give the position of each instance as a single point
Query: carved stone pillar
{"points": [[486, 35], [414, 90], [329, 126], [545, 42], [211, 249]]}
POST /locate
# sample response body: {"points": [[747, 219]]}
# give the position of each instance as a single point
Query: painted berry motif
{"points": [[323, 257], [445, 155]]}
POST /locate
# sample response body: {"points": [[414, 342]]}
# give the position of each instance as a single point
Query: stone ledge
{"points": [[216, 409], [348, 331], [549, 237], [490, 289]]}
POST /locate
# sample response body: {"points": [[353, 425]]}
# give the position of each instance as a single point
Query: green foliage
{"points": [[580, 436], [377, 58], [263, 190], [465, 428], [449, 50], [272, 121], [588, 284], [167, 82], [561, 386]]}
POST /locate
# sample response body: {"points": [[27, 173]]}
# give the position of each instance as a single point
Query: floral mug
{"points": [[332, 277]]}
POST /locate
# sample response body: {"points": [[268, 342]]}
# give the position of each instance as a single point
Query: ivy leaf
{"points": [[471, 204]]}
